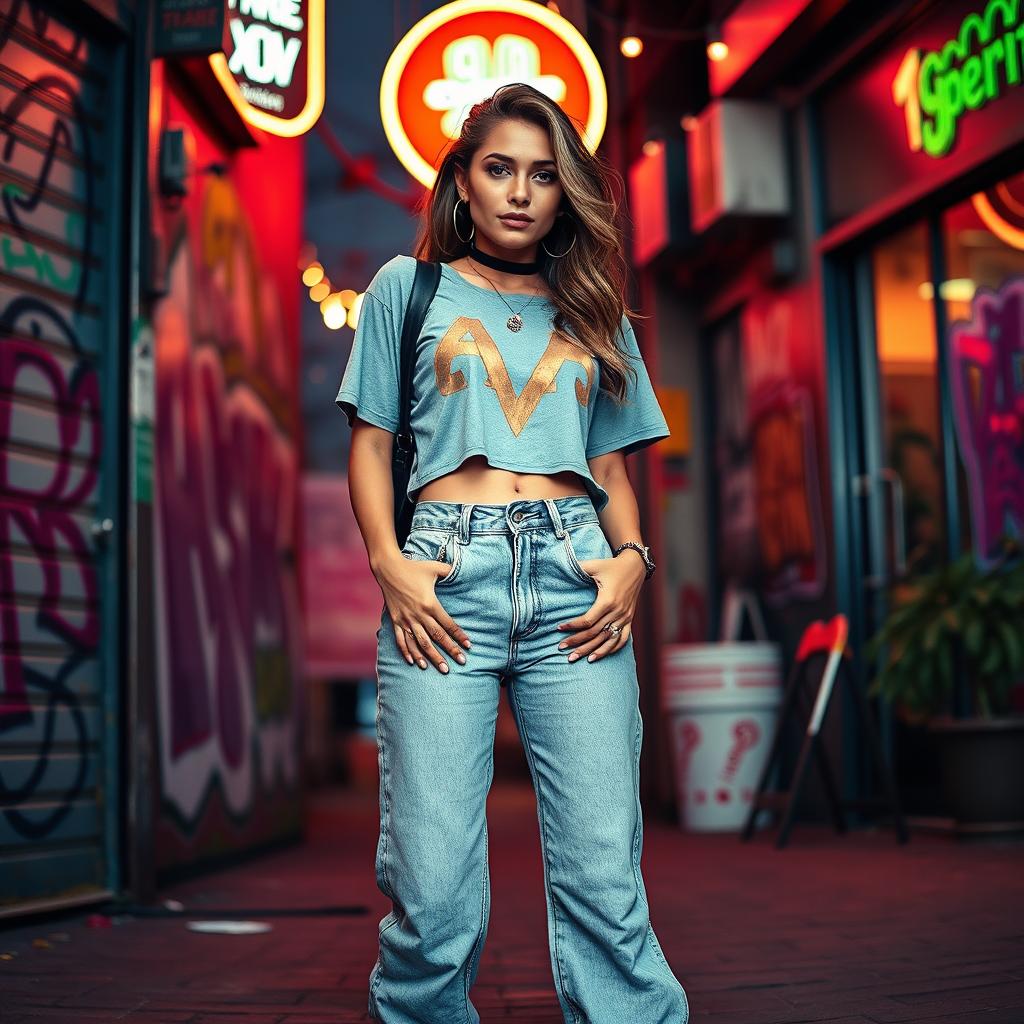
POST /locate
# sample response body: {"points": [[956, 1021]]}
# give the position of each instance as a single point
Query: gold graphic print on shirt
{"points": [[517, 408]]}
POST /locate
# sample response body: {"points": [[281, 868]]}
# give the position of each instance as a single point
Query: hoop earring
{"points": [[455, 223], [567, 251]]}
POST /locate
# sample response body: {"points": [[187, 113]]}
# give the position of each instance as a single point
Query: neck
{"points": [[502, 264]]}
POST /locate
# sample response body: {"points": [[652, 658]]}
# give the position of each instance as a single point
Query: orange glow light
{"points": [[995, 222], [631, 46], [460, 53], [717, 50], [313, 274]]}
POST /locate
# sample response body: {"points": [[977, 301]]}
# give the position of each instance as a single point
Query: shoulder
{"points": [[392, 283], [625, 337]]}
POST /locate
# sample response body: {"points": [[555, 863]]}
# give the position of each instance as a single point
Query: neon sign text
{"points": [[936, 89]]}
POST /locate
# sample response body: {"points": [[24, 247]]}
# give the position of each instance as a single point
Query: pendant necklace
{"points": [[515, 322]]}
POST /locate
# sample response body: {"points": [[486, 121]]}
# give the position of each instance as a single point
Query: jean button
{"points": [[517, 516]]}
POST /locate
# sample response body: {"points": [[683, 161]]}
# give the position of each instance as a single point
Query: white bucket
{"points": [[723, 701]]}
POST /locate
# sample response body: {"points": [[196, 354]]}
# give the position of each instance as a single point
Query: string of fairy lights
{"points": [[338, 307]]}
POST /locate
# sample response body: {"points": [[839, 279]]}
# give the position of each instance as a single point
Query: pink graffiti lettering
{"points": [[986, 360]]}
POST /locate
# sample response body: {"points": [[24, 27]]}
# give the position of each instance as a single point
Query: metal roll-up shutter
{"points": [[61, 125]]}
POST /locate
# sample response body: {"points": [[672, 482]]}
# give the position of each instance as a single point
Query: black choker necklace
{"points": [[505, 266]]}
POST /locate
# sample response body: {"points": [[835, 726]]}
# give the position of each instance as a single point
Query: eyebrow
{"points": [[512, 159]]}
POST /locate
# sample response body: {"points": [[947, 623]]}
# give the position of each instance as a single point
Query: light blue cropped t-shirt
{"points": [[528, 402]]}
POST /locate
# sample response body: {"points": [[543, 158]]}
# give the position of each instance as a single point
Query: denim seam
{"points": [[535, 593], [651, 938], [478, 945], [515, 603], [573, 1005], [448, 526], [378, 975], [639, 812], [574, 562], [456, 562]]}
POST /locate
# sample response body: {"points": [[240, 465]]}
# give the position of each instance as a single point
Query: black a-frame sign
{"points": [[821, 641]]}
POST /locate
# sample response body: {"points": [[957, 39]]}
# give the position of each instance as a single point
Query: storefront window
{"points": [[905, 337], [984, 303]]}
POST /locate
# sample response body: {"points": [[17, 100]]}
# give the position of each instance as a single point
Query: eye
{"points": [[550, 175]]}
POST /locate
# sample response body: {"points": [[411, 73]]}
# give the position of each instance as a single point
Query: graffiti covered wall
{"points": [[59, 264], [225, 476]]}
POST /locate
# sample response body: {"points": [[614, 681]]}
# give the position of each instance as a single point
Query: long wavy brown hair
{"points": [[588, 284]]}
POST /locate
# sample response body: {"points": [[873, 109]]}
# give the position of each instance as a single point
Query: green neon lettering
{"points": [[970, 78], [992, 56], [1012, 51], [964, 74]]}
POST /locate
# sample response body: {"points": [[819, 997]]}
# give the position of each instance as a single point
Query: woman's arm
{"points": [[620, 518], [618, 579], [407, 585]]}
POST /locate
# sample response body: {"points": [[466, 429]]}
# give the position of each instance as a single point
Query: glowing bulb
{"points": [[631, 46], [334, 299], [347, 296], [313, 274], [353, 313], [688, 123], [652, 147], [717, 50], [335, 316], [320, 291]]}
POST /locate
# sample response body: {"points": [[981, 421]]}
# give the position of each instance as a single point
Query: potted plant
{"points": [[963, 615]]}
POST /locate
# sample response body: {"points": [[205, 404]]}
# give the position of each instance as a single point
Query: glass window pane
{"points": [[905, 335], [984, 302]]}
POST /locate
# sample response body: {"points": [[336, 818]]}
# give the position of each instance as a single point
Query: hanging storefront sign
{"points": [[272, 67], [188, 28], [939, 87], [942, 98], [460, 53]]}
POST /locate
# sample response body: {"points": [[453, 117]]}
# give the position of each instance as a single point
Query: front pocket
{"points": [[425, 543], [585, 542]]}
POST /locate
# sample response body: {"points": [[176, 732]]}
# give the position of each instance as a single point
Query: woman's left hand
{"points": [[618, 580]]}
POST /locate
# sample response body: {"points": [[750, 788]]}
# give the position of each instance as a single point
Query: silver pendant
{"points": [[514, 322]]}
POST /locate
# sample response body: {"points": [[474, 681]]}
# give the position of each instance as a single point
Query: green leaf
{"points": [[974, 634]]}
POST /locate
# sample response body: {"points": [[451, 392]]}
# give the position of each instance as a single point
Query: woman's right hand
{"points": [[419, 620]]}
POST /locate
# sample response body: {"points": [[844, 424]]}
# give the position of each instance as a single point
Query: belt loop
{"points": [[556, 519], [467, 511]]}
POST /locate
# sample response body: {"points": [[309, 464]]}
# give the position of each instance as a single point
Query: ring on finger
{"points": [[613, 629]]}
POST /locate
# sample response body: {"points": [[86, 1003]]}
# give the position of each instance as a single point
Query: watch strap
{"points": [[644, 553]]}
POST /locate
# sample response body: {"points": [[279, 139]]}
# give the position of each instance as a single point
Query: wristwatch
{"points": [[644, 552]]}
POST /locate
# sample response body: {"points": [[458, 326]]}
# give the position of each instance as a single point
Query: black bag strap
{"points": [[424, 286]]}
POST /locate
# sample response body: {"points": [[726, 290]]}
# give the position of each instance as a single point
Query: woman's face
{"points": [[512, 172]]}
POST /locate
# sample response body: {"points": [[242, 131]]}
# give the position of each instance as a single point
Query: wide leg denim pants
{"points": [[515, 574]]}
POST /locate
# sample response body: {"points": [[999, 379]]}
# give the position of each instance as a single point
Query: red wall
{"points": [[226, 460]]}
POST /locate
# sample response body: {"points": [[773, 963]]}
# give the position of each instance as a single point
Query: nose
{"points": [[519, 191]]}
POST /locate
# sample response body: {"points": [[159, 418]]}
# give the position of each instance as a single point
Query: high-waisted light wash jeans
{"points": [[515, 575]]}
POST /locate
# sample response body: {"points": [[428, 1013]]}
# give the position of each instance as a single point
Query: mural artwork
{"points": [[225, 479]]}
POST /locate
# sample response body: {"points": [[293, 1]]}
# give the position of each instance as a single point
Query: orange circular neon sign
{"points": [[460, 53]]}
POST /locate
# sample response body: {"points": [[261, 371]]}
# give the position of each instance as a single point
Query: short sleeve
{"points": [[370, 384], [635, 424]]}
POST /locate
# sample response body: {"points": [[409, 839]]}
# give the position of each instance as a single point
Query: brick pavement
{"points": [[848, 930]]}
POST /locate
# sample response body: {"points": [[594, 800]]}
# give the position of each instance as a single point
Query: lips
{"points": [[517, 217]]}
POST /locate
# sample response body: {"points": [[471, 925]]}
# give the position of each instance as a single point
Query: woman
{"points": [[524, 405]]}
